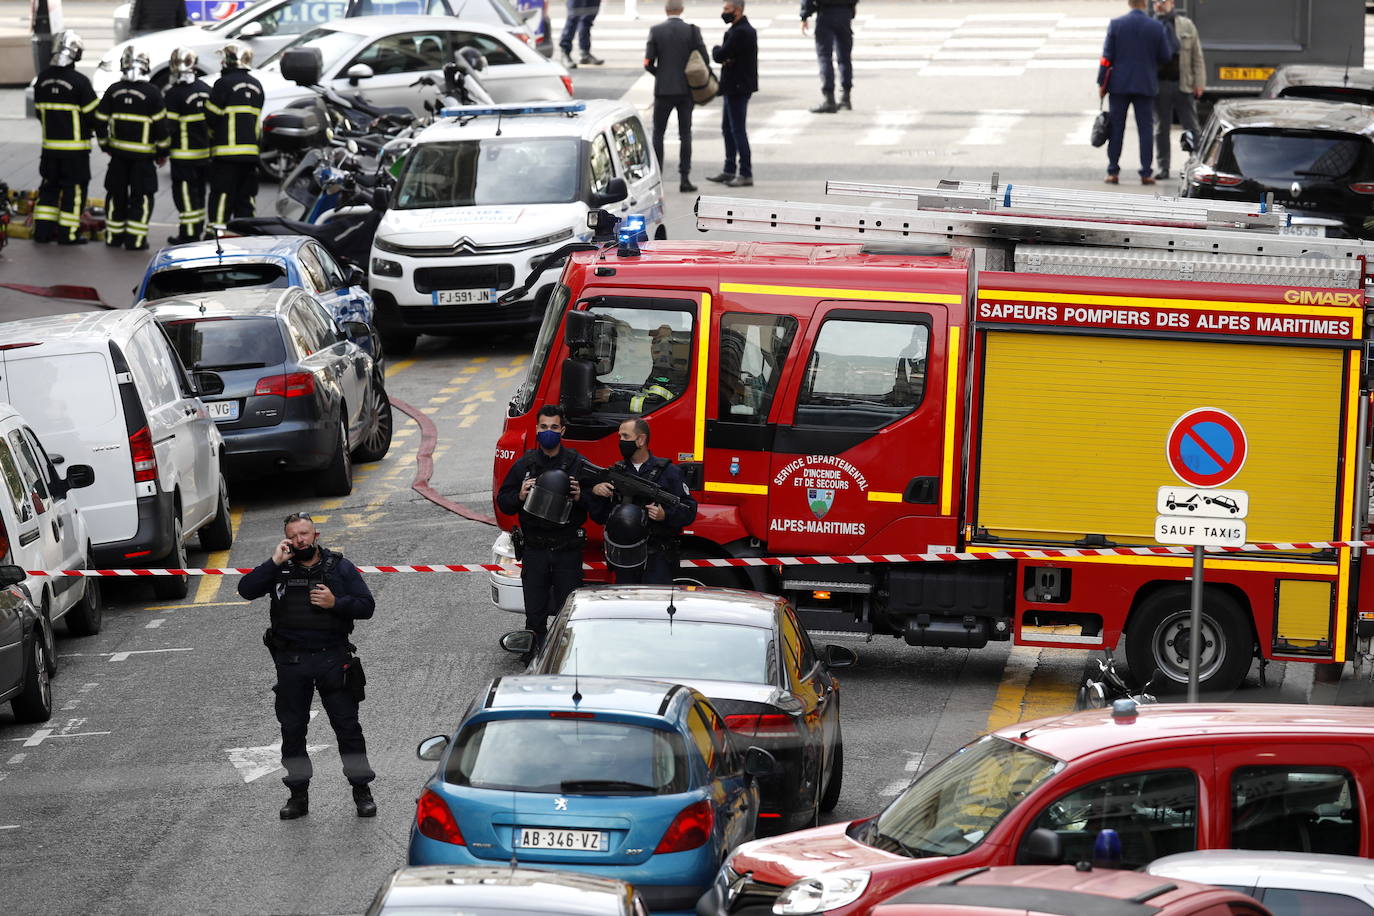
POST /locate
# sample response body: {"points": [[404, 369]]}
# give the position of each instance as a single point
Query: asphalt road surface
{"points": [[155, 787]]}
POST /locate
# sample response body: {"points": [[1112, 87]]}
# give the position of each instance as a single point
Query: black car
{"points": [[744, 651], [1322, 83], [1316, 158], [23, 649], [300, 393]]}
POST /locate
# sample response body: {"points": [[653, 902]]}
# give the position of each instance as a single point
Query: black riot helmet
{"points": [[627, 536], [551, 497]]}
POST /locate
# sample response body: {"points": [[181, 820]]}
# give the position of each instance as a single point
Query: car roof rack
{"points": [[514, 109]]}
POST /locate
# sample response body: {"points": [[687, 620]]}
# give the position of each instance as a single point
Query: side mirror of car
{"points": [[615, 191], [432, 748], [80, 476], [356, 275], [1042, 846], [356, 330], [208, 383], [759, 763], [11, 575], [517, 641], [840, 656], [1188, 142], [251, 30], [357, 73], [578, 386]]}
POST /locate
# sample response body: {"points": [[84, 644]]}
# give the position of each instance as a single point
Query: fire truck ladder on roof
{"points": [[976, 214]]}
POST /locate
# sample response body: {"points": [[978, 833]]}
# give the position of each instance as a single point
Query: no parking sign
{"points": [[1206, 447]]}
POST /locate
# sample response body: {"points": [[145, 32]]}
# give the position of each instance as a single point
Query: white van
{"points": [[41, 527], [106, 389], [484, 192]]}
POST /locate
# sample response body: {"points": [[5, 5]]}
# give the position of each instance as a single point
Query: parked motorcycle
{"points": [[1100, 691]]}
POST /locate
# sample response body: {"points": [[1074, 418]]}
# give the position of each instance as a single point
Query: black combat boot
{"points": [[362, 797], [298, 805], [844, 101], [827, 105]]}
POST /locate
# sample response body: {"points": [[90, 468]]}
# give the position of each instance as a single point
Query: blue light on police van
{"points": [[509, 110]]}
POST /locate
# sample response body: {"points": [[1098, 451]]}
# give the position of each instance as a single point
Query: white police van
{"points": [[487, 189]]}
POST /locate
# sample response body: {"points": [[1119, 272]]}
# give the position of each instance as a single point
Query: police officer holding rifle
{"points": [[542, 488], [651, 505]]}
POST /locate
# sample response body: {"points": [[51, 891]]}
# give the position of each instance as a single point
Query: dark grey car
{"points": [[507, 891], [23, 649], [746, 652], [299, 394]]}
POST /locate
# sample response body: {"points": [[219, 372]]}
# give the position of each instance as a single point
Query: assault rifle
{"points": [[627, 485]]}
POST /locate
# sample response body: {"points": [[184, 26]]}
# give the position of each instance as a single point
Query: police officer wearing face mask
{"points": [[665, 524], [552, 507], [316, 595]]}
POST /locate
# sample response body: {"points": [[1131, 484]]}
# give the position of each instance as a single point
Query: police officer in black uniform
{"points": [[834, 36], [550, 550], [190, 150], [665, 523], [66, 106], [316, 596], [233, 110], [131, 124]]}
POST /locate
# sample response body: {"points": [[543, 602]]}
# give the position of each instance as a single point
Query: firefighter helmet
{"points": [[551, 497], [134, 65], [626, 540], [183, 65], [66, 49], [236, 55]]}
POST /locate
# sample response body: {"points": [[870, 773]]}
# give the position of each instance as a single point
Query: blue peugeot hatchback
{"points": [[630, 779]]}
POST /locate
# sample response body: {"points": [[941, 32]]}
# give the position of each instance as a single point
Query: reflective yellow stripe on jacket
{"points": [[182, 149], [76, 141]]}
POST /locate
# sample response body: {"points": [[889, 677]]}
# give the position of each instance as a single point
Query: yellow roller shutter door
{"points": [[1074, 429]]}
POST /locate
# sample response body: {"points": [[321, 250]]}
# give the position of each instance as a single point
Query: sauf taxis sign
{"points": [[827, 487]]}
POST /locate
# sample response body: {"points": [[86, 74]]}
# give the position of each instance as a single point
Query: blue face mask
{"points": [[548, 438]]}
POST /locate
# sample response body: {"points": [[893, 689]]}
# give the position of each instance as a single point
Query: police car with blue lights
{"points": [[487, 190]]}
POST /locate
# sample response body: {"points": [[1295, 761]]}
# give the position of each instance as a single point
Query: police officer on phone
{"points": [[316, 596], [661, 525], [542, 489]]}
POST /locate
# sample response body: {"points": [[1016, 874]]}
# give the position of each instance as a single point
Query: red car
{"points": [[1166, 779], [1062, 890]]}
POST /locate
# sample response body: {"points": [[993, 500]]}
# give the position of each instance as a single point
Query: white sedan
{"points": [[266, 25], [1288, 883], [383, 56]]}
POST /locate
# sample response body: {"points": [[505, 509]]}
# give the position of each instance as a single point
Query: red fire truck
{"points": [[978, 368]]}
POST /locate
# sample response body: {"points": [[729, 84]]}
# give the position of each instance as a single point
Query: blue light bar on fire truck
{"points": [[512, 109]]}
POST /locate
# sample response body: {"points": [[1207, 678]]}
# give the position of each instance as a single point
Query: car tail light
{"points": [[435, 820], [142, 454], [567, 84], [295, 385], [762, 725], [1363, 187], [689, 830], [1205, 174]]}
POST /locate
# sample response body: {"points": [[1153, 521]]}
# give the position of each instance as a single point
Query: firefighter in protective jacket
{"points": [[232, 115], [66, 106], [190, 150], [131, 124]]}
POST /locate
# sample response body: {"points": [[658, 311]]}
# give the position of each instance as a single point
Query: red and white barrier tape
{"points": [[855, 559]]}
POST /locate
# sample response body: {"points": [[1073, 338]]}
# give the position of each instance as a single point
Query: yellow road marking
{"points": [[507, 373], [467, 421], [396, 368], [186, 604], [208, 588], [467, 408], [1031, 688], [440, 400]]}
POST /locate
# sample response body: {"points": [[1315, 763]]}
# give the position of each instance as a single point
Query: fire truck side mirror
{"points": [[578, 385]]}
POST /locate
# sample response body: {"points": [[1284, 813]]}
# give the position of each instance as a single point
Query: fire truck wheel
{"points": [[1157, 638]]}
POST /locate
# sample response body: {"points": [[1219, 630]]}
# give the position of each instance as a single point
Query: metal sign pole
{"points": [[1195, 627]]}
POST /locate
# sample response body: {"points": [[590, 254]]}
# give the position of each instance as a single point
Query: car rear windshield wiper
{"points": [[226, 366], [592, 785]]}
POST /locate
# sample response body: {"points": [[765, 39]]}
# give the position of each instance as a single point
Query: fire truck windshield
{"points": [[523, 399]]}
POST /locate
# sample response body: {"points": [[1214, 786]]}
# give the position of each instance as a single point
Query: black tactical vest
{"points": [[294, 610]]}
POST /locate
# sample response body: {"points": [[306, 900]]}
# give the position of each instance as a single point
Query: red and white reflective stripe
{"points": [[853, 559]]}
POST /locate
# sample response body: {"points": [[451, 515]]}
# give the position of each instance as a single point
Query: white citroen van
{"points": [[106, 389], [486, 190]]}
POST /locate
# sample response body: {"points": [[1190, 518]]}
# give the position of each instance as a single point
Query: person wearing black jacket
{"points": [[316, 596], [834, 35], [738, 56], [131, 125], [550, 553], [665, 523], [231, 114], [66, 105], [157, 15], [190, 151], [670, 43]]}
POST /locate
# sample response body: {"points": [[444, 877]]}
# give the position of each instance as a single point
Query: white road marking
{"points": [[1081, 135], [9, 826], [256, 762], [154, 624], [122, 656], [915, 760], [889, 128], [781, 127], [991, 127], [17, 758]]}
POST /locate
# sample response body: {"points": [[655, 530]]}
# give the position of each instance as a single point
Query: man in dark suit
{"points": [[1128, 75], [738, 56], [671, 42]]}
